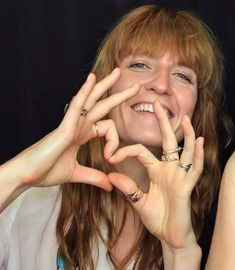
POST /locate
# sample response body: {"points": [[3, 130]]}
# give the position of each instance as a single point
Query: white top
{"points": [[27, 233]]}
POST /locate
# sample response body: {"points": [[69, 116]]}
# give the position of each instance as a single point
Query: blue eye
{"points": [[139, 66], [183, 77]]}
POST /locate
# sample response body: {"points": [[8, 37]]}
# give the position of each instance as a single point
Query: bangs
{"points": [[154, 33]]}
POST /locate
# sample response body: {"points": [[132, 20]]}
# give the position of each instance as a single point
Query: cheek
{"points": [[117, 116], [113, 114], [188, 103], [120, 85], [126, 80]]}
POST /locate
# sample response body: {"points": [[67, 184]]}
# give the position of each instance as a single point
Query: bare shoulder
{"points": [[229, 171], [231, 162]]}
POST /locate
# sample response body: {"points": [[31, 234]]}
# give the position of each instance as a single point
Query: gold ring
{"points": [[168, 158], [177, 150], [185, 166], [136, 195], [96, 129], [166, 154], [84, 112]]}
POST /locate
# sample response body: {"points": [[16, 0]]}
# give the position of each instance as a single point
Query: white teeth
{"points": [[150, 108], [144, 108]]}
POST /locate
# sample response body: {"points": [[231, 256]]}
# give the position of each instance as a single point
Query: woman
{"points": [[169, 74]]}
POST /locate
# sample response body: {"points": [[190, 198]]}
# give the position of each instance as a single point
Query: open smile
{"points": [[148, 107]]}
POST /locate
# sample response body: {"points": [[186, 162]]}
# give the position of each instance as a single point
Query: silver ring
{"points": [[136, 195], [84, 112], [185, 166]]}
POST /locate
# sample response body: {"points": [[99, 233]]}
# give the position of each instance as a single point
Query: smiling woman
{"points": [[162, 79], [175, 59], [153, 93]]}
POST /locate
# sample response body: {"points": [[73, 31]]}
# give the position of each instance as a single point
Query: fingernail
{"points": [[115, 70], [89, 77], [109, 155], [202, 139], [187, 118]]}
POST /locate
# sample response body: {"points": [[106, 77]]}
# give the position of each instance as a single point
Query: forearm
{"points": [[10, 182], [221, 256], [32, 164], [182, 258]]}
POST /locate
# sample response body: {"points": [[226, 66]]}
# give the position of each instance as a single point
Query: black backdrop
{"points": [[46, 50]]}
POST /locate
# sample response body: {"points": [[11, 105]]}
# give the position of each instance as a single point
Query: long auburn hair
{"points": [[85, 210]]}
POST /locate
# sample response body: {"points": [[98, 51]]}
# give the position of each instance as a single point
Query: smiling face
{"points": [[162, 78]]}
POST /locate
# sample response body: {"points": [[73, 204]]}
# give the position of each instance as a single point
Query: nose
{"points": [[159, 82]]}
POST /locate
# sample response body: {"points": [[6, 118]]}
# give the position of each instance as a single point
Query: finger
{"points": [[91, 176], [145, 157], [198, 162], [127, 186], [189, 142], [107, 128], [77, 104], [169, 141], [101, 87], [103, 107]]}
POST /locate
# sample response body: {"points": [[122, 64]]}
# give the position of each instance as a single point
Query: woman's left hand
{"points": [[166, 209]]}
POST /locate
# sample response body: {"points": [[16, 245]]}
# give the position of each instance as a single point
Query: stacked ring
{"points": [[166, 154], [185, 166], [136, 195]]}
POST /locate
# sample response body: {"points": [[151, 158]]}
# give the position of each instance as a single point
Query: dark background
{"points": [[46, 51]]}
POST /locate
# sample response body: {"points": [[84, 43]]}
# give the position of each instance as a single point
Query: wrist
{"points": [[182, 258]]}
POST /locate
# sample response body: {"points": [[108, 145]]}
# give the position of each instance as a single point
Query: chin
{"points": [[154, 146], [153, 143]]}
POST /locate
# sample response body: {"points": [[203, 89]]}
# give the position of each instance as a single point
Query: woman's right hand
{"points": [[52, 160]]}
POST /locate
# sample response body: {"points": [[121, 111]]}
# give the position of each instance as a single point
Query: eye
{"points": [[139, 65], [184, 77]]}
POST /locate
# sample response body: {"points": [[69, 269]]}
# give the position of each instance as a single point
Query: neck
{"points": [[135, 170], [132, 168]]}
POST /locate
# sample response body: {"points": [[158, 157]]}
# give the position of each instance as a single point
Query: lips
{"points": [[148, 107]]}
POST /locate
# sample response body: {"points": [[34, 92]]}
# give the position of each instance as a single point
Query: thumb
{"points": [[129, 188]]}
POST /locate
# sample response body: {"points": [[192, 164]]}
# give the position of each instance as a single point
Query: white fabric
{"points": [[27, 233]]}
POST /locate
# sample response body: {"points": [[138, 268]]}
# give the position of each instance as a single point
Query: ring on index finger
{"points": [[136, 195], [96, 129], [166, 155]]}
